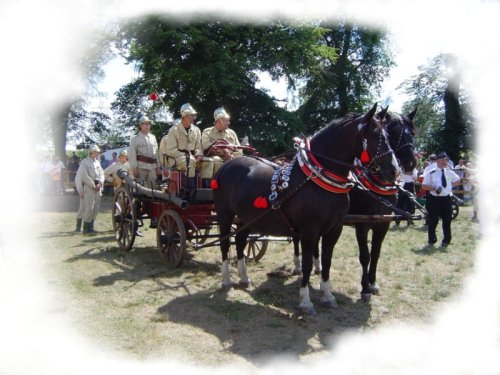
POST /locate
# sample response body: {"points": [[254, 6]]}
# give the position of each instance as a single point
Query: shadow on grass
{"points": [[141, 264], [268, 324], [428, 250]]}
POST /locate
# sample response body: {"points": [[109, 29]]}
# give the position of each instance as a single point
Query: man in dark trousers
{"points": [[439, 181]]}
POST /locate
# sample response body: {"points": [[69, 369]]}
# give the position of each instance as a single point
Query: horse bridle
{"points": [[373, 167], [399, 146]]}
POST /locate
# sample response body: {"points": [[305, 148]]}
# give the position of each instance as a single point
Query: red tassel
{"points": [[153, 96], [365, 157], [214, 185], [260, 202]]}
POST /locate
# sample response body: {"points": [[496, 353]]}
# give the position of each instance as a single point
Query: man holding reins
{"points": [[220, 142]]}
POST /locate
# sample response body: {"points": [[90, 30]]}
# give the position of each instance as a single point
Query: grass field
{"points": [[133, 303]]}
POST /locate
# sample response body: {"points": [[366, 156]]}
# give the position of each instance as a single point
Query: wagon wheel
{"points": [[454, 209], [255, 249], [123, 216], [171, 238], [202, 236]]}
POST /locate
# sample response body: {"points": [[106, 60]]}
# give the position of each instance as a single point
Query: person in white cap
{"points": [[143, 154], [220, 134], [89, 180], [182, 145], [110, 173]]}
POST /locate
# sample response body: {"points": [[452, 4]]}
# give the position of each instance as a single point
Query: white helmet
{"points": [[123, 152], [220, 113], [186, 109], [94, 148], [144, 119]]}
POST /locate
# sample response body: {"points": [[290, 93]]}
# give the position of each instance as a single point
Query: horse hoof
{"points": [[226, 286], [331, 304], [365, 297], [244, 284], [375, 289], [308, 310]]}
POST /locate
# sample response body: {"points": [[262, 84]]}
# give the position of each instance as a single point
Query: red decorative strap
{"points": [[377, 187], [324, 178]]}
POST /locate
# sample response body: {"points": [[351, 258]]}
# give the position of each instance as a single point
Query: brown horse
{"points": [[401, 130], [307, 198]]}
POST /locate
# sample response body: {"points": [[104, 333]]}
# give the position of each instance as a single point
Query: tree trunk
{"points": [[452, 136], [59, 126], [342, 71]]}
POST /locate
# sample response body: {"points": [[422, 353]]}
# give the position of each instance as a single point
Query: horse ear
{"points": [[412, 114], [382, 113], [368, 117]]}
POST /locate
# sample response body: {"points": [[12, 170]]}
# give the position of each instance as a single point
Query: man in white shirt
{"points": [[89, 181], [439, 181]]}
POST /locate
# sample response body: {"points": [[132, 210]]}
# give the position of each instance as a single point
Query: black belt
{"points": [[146, 159], [187, 151]]}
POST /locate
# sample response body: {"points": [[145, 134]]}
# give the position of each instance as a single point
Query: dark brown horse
{"points": [[311, 198], [401, 130]]}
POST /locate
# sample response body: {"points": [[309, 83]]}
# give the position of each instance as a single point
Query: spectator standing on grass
{"points": [[104, 162], [408, 181], [73, 164], [439, 182], [114, 159], [89, 181], [56, 176]]}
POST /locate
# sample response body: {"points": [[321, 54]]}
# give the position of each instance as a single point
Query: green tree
{"points": [[212, 63], [69, 117], [445, 120], [350, 83]]}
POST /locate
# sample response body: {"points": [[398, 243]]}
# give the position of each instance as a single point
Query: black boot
{"points": [[205, 183], [91, 227], [78, 225], [154, 223], [86, 228]]}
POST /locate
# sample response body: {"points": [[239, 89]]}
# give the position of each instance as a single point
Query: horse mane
{"points": [[393, 116], [338, 122]]}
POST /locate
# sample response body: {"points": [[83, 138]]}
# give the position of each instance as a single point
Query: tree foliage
{"points": [[350, 83], [445, 120], [213, 63]]}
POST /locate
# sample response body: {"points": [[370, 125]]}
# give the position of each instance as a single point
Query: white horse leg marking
{"points": [[242, 272], [317, 265], [328, 300], [305, 302], [297, 269], [226, 277]]}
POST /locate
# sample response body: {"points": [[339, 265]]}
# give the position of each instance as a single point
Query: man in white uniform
{"points": [[181, 148], [220, 133], [143, 154], [89, 181]]}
